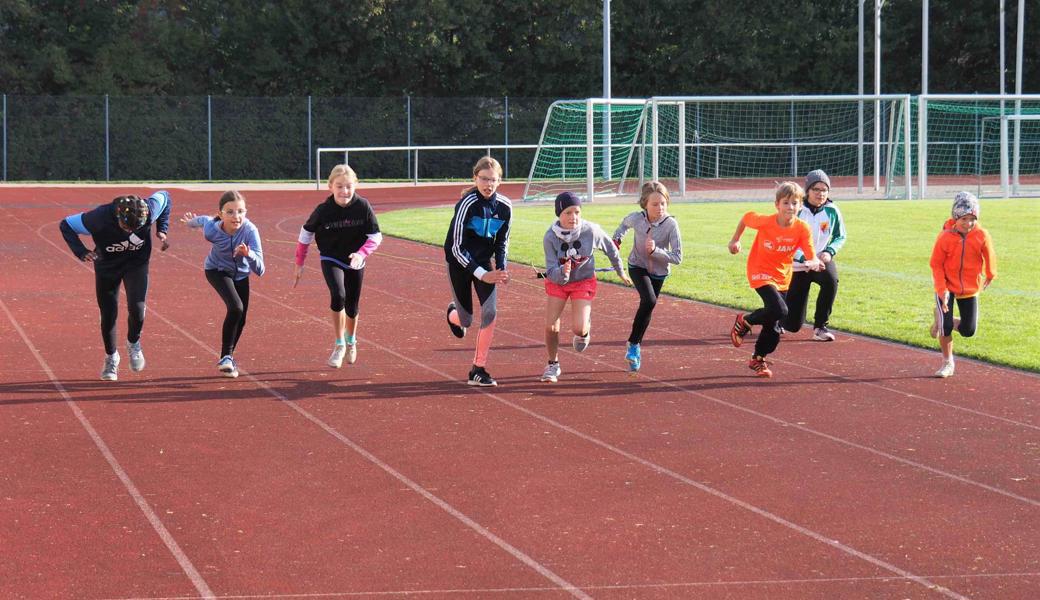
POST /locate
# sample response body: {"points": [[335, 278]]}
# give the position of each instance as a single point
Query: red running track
{"points": [[851, 474]]}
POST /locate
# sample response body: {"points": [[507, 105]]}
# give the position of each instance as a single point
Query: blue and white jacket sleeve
{"points": [[159, 210], [71, 228]]}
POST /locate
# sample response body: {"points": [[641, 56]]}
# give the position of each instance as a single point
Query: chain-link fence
{"points": [[136, 138]]}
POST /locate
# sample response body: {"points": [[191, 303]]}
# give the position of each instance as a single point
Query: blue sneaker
{"points": [[633, 357]]}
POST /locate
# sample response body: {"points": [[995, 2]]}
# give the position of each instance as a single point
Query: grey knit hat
{"points": [[816, 176], [965, 203]]}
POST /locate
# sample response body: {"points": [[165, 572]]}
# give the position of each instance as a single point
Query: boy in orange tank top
{"points": [[780, 235]]}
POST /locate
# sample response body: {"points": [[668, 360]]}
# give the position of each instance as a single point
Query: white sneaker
{"points": [[822, 334], [580, 343], [136, 355], [110, 372], [336, 358], [226, 364], [552, 372], [351, 353], [946, 370]]}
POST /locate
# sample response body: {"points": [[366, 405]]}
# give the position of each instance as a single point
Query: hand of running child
{"points": [[356, 261], [814, 265], [825, 257], [626, 279], [241, 250], [734, 247], [985, 284], [942, 303], [188, 218], [162, 237], [297, 273], [90, 257], [566, 268], [495, 277], [650, 246]]}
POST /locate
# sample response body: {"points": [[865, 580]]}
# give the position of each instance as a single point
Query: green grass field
{"points": [[885, 289]]}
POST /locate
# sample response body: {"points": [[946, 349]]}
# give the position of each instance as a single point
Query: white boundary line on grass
{"points": [[157, 524], [437, 501]]}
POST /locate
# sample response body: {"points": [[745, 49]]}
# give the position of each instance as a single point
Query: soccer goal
{"points": [[739, 147], [1009, 163], [585, 147]]}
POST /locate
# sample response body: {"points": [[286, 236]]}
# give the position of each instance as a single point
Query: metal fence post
{"points": [[5, 137], [310, 142], [108, 155], [408, 134], [209, 135], [507, 137]]}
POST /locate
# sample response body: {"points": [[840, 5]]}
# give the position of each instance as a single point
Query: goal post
{"points": [[573, 152], [1009, 164], [739, 147]]}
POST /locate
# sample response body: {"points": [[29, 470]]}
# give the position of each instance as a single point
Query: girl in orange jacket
{"points": [[963, 264]]}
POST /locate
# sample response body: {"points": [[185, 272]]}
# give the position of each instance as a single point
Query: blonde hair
{"points": [[788, 189], [225, 198], [342, 170], [653, 187]]}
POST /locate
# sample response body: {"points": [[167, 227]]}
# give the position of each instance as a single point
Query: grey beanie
{"points": [[816, 176], [965, 203]]}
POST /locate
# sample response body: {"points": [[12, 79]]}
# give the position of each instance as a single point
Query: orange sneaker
{"points": [[740, 329], [760, 366]]}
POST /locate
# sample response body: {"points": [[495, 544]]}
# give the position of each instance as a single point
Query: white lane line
{"points": [[661, 470], [157, 524], [768, 417], [442, 504]]}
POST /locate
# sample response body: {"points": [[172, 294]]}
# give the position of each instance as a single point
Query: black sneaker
{"points": [[478, 376], [459, 332]]}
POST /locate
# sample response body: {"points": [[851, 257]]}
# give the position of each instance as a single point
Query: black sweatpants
{"points": [[774, 309], [235, 294], [967, 309], [798, 296], [463, 284], [106, 287], [649, 289]]}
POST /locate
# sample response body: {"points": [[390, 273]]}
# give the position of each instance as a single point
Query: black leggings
{"points": [[235, 294], [344, 287], [968, 309], [798, 296], [135, 282], [649, 289], [774, 309], [462, 286]]}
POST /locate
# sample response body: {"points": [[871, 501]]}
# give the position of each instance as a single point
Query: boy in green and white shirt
{"points": [[828, 232]]}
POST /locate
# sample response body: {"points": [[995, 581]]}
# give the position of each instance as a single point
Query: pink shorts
{"points": [[576, 290]]}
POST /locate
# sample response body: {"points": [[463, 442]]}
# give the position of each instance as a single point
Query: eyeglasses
{"points": [[487, 180], [231, 212], [819, 189]]}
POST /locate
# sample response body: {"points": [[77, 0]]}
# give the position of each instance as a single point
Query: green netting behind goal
{"points": [[562, 159], [739, 148]]}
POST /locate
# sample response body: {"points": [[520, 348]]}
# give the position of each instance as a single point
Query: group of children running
{"points": [[794, 247]]}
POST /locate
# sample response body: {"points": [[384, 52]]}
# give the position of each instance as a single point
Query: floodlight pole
{"points": [[922, 134], [859, 91], [877, 92], [1018, 86], [606, 89]]}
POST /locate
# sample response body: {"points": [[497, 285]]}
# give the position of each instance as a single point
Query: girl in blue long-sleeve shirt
{"points": [[235, 253]]}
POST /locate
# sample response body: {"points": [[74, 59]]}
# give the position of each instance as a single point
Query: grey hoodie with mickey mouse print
{"points": [[576, 246]]}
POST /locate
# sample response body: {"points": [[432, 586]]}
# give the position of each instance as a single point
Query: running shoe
{"points": [[822, 334], [946, 370], [479, 376], [760, 366], [336, 358], [136, 355], [110, 372], [456, 330], [633, 357], [351, 353], [740, 329], [552, 372], [581, 342]]}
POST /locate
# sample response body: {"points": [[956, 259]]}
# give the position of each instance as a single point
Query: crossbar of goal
{"points": [[414, 175]]}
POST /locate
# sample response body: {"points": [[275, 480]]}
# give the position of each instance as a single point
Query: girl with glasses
{"points": [[347, 232], [235, 253], [828, 231], [570, 273], [478, 233]]}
